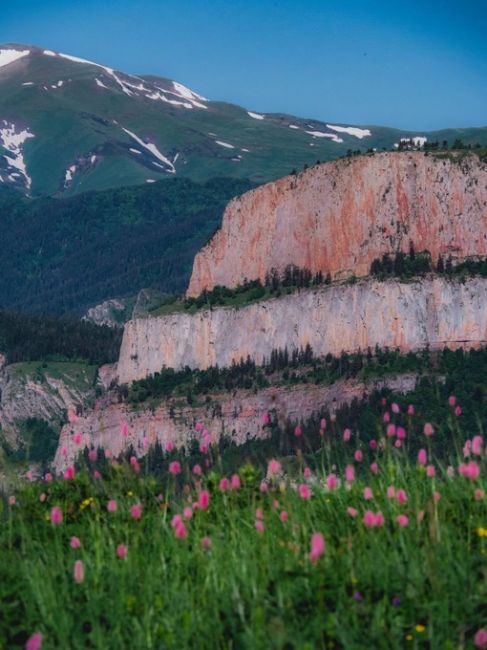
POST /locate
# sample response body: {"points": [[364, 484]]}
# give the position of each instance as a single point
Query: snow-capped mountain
{"points": [[69, 125]]}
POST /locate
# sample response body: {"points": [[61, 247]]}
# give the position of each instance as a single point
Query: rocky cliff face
{"points": [[237, 417], [338, 217], [409, 316], [27, 390]]}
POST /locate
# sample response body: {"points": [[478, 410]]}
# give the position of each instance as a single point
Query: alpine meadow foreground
{"points": [[370, 541]]}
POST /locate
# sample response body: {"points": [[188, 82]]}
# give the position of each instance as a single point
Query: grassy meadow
{"points": [[367, 542]]}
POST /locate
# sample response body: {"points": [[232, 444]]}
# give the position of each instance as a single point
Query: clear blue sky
{"points": [[405, 63]]}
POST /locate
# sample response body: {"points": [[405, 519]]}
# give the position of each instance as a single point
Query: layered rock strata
{"points": [[338, 217]]}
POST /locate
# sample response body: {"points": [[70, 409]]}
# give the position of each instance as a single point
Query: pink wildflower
{"points": [[42, 497], [398, 444], [304, 491], [331, 481], [374, 468], [34, 642], [29, 475], [224, 484], [452, 400], [74, 542], [391, 430], [350, 473], [72, 417], [479, 494], [56, 515], [422, 457], [264, 487], [467, 449], [204, 448], [401, 433], [368, 494], [175, 467], [431, 471], [477, 444], [480, 639], [180, 530], [69, 473], [317, 547], [265, 418], [428, 429], [369, 518], [205, 543], [122, 551], [176, 521], [307, 472], [79, 572], [259, 514], [92, 455], [323, 424], [273, 468], [391, 492], [402, 520], [198, 426], [276, 504], [458, 410], [352, 511], [470, 470], [235, 482], [136, 511], [373, 444], [395, 408], [64, 451], [379, 519], [203, 500], [284, 516], [386, 417], [112, 506], [358, 456], [48, 477], [410, 409], [169, 446], [77, 438], [401, 496], [188, 512], [124, 429], [298, 431], [347, 434], [197, 471], [259, 526], [134, 464]]}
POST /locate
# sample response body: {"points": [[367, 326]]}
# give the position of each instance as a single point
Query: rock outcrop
{"points": [[338, 217], [343, 317], [236, 417]]}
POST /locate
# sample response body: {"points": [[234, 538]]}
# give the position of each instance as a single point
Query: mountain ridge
{"points": [[68, 125]]}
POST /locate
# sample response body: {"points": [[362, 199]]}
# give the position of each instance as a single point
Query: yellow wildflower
{"points": [[420, 628]]}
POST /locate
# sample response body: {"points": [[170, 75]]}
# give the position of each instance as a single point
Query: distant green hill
{"points": [[65, 255], [68, 126]]}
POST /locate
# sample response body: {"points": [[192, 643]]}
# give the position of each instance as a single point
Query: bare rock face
{"points": [[338, 217], [343, 317], [233, 416]]}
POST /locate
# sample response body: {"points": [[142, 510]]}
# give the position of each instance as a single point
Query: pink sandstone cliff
{"points": [[410, 315], [338, 217], [238, 419]]}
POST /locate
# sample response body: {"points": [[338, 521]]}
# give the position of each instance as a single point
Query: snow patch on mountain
{"points": [[28, 83], [225, 144], [351, 130], [70, 172], [255, 116], [293, 126], [9, 56], [320, 134], [13, 141], [183, 91], [49, 53], [152, 149], [101, 84]]}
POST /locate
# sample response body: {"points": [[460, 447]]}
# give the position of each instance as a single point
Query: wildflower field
{"points": [[376, 541]]}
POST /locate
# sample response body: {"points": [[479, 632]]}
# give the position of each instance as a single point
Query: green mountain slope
{"points": [[68, 126], [65, 255]]}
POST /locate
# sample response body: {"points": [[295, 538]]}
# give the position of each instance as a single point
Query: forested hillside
{"points": [[64, 255]]}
